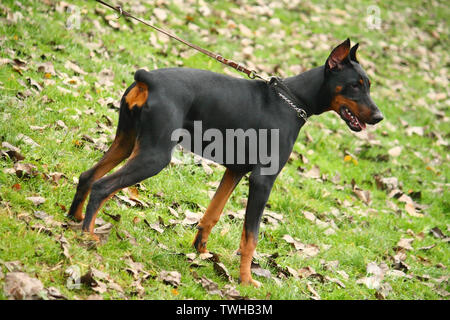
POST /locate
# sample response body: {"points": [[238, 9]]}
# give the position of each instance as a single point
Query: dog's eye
{"points": [[355, 85]]}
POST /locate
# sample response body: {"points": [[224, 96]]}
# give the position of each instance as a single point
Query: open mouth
{"points": [[352, 121]]}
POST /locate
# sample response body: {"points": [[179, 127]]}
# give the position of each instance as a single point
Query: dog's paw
{"points": [[250, 281]]}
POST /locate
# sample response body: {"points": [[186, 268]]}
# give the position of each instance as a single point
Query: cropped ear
{"points": [[338, 56], [353, 53]]}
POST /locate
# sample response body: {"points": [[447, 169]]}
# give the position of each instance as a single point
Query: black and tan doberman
{"points": [[165, 100]]}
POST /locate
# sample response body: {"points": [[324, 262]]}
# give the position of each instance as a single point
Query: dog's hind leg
{"points": [[120, 149], [144, 162], [211, 217]]}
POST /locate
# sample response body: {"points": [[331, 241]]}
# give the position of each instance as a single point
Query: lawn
{"points": [[351, 216]]}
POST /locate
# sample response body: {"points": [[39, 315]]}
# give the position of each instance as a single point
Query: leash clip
{"points": [[301, 114]]}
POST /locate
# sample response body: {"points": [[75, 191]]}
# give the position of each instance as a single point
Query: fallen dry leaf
{"points": [[259, 271], [36, 200], [20, 286], [25, 170], [99, 281], [12, 152], [395, 151], [405, 243], [170, 277]]}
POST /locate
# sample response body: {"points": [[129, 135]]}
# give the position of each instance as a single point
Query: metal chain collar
{"points": [[277, 85]]}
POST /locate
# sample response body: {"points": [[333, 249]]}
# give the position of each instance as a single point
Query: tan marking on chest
{"points": [[137, 96]]}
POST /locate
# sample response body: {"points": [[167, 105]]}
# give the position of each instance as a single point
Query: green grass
{"points": [[407, 61]]}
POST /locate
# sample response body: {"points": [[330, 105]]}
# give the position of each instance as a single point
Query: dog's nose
{"points": [[377, 117]]}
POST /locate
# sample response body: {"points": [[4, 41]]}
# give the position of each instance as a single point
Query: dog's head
{"points": [[347, 88]]}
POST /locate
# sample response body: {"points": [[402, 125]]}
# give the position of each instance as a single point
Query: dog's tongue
{"points": [[361, 124]]}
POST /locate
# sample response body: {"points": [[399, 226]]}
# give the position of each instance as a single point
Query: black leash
{"points": [[252, 74], [276, 83]]}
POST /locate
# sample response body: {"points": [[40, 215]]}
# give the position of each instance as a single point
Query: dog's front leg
{"points": [[259, 191]]}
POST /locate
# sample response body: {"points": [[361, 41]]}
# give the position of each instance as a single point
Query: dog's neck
{"points": [[307, 87]]}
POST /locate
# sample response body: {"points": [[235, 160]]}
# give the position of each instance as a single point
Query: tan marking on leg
{"points": [[137, 96], [215, 208], [92, 224], [120, 149], [247, 248]]}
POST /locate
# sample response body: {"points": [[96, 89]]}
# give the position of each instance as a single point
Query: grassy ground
{"points": [[407, 60]]}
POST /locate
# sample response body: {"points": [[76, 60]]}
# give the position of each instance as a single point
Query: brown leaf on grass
{"points": [[259, 271], [295, 243], [33, 84], [115, 217], [376, 274], [363, 195], [53, 293], [210, 256], [173, 211], [272, 218], [313, 173], [74, 67], [61, 125], [39, 228], [65, 246], [36, 200], [105, 78], [11, 151], [20, 286], [308, 250], [73, 275], [399, 263], [25, 170], [137, 270], [306, 272], [191, 218], [335, 280], [437, 233], [395, 151], [230, 292], [383, 291], [411, 210], [240, 214], [155, 226], [210, 286], [27, 140], [206, 168], [109, 102], [55, 176], [310, 216], [126, 236], [405, 243], [387, 184], [13, 266], [222, 271], [48, 219], [103, 232], [46, 68], [131, 197], [426, 248], [99, 281], [282, 271], [170, 277], [315, 295]]}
